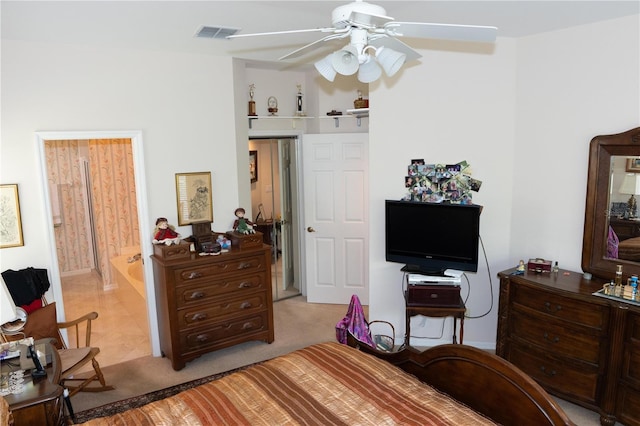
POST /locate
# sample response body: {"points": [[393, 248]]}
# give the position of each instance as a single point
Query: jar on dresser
{"points": [[210, 302], [578, 346]]}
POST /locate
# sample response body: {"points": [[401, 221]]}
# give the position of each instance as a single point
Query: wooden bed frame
{"points": [[479, 379]]}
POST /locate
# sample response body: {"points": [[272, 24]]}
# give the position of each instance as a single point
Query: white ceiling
{"points": [[171, 25]]}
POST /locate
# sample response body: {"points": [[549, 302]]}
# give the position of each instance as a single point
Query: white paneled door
{"points": [[336, 199]]}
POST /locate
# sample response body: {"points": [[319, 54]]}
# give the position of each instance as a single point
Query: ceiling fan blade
{"points": [[306, 48], [397, 45], [474, 33], [324, 30]]}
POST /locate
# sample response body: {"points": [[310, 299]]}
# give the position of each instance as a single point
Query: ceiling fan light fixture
{"points": [[345, 61], [390, 60], [325, 67], [369, 71]]}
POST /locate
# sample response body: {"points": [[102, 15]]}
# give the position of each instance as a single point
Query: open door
{"points": [[286, 222], [272, 206]]}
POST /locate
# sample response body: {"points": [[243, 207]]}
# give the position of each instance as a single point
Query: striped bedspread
{"points": [[324, 384]]}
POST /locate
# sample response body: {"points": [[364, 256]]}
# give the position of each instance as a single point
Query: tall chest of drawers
{"points": [[207, 303], [580, 347]]}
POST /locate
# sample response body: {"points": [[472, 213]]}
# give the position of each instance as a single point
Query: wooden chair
{"points": [[75, 358]]}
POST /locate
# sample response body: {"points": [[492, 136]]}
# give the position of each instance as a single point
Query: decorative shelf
{"points": [[277, 117], [357, 113]]}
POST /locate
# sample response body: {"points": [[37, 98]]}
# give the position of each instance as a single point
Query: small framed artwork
{"points": [[193, 192], [10, 220], [253, 165], [633, 165]]}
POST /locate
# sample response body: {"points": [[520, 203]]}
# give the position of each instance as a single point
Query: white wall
{"points": [[451, 108], [180, 103], [572, 85], [522, 116]]}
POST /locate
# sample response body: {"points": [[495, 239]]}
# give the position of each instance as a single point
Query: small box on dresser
{"points": [[244, 241], [181, 250], [208, 302]]}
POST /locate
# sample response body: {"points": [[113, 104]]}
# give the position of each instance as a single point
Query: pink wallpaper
{"points": [[114, 201]]}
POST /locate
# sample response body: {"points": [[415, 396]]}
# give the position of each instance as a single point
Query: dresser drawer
{"points": [[219, 309], [206, 337], [198, 293], [579, 382], [563, 308], [184, 276], [551, 336], [628, 406], [633, 329]]}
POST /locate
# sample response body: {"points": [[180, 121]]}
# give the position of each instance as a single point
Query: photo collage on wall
{"points": [[440, 183]]}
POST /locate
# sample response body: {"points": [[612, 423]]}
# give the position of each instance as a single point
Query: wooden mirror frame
{"points": [[597, 210]]}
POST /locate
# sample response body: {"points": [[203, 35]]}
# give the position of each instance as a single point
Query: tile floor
{"points": [[117, 331], [121, 334]]}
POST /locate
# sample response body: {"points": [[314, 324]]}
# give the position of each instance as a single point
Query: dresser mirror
{"points": [[611, 228]]}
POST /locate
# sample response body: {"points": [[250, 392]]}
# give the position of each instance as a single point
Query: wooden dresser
{"points": [[580, 347], [207, 303], [625, 228]]}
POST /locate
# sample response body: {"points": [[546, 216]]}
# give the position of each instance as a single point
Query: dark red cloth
{"points": [[33, 306]]}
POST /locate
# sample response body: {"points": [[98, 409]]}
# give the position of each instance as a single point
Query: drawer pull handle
{"points": [[202, 338], [548, 373], [549, 309], [245, 305], [194, 274], [244, 265], [199, 317], [245, 284], [554, 340], [197, 295], [247, 326]]}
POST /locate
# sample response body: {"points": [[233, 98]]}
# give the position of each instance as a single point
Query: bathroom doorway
{"points": [[97, 239], [273, 203]]}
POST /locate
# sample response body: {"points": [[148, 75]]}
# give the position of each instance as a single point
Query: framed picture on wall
{"points": [[633, 165], [253, 165], [193, 191], [10, 220]]}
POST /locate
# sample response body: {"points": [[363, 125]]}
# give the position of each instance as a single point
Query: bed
{"points": [[332, 383], [629, 249]]}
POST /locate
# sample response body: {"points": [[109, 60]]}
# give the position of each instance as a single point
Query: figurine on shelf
{"points": [[241, 224], [520, 268], [299, 108], [252, 103], [165, 233]]}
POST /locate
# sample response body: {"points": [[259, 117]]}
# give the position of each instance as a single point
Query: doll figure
{"points": [[241, 224], [165, 233]]}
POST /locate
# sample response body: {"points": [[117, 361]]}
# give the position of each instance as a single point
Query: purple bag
{"points": [[356, 323]]}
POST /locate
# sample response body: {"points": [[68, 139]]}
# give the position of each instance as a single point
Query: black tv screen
{"points": [[430, 238]]}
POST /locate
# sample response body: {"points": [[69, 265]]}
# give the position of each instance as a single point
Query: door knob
{"points": [[310, 229]]}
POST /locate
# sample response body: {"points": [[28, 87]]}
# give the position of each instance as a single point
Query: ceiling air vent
{"points": [[216, 32]]}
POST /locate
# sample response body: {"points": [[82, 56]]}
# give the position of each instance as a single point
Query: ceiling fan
{"points": [[373, 40]]}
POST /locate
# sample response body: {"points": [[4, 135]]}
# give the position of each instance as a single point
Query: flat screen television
{"points": [[430, 238]]}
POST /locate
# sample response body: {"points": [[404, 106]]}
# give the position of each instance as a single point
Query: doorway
{"points": [[274, 209], [97, 247]]}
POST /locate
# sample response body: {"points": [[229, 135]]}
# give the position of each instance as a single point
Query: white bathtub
{"points": [[129, 285]]}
